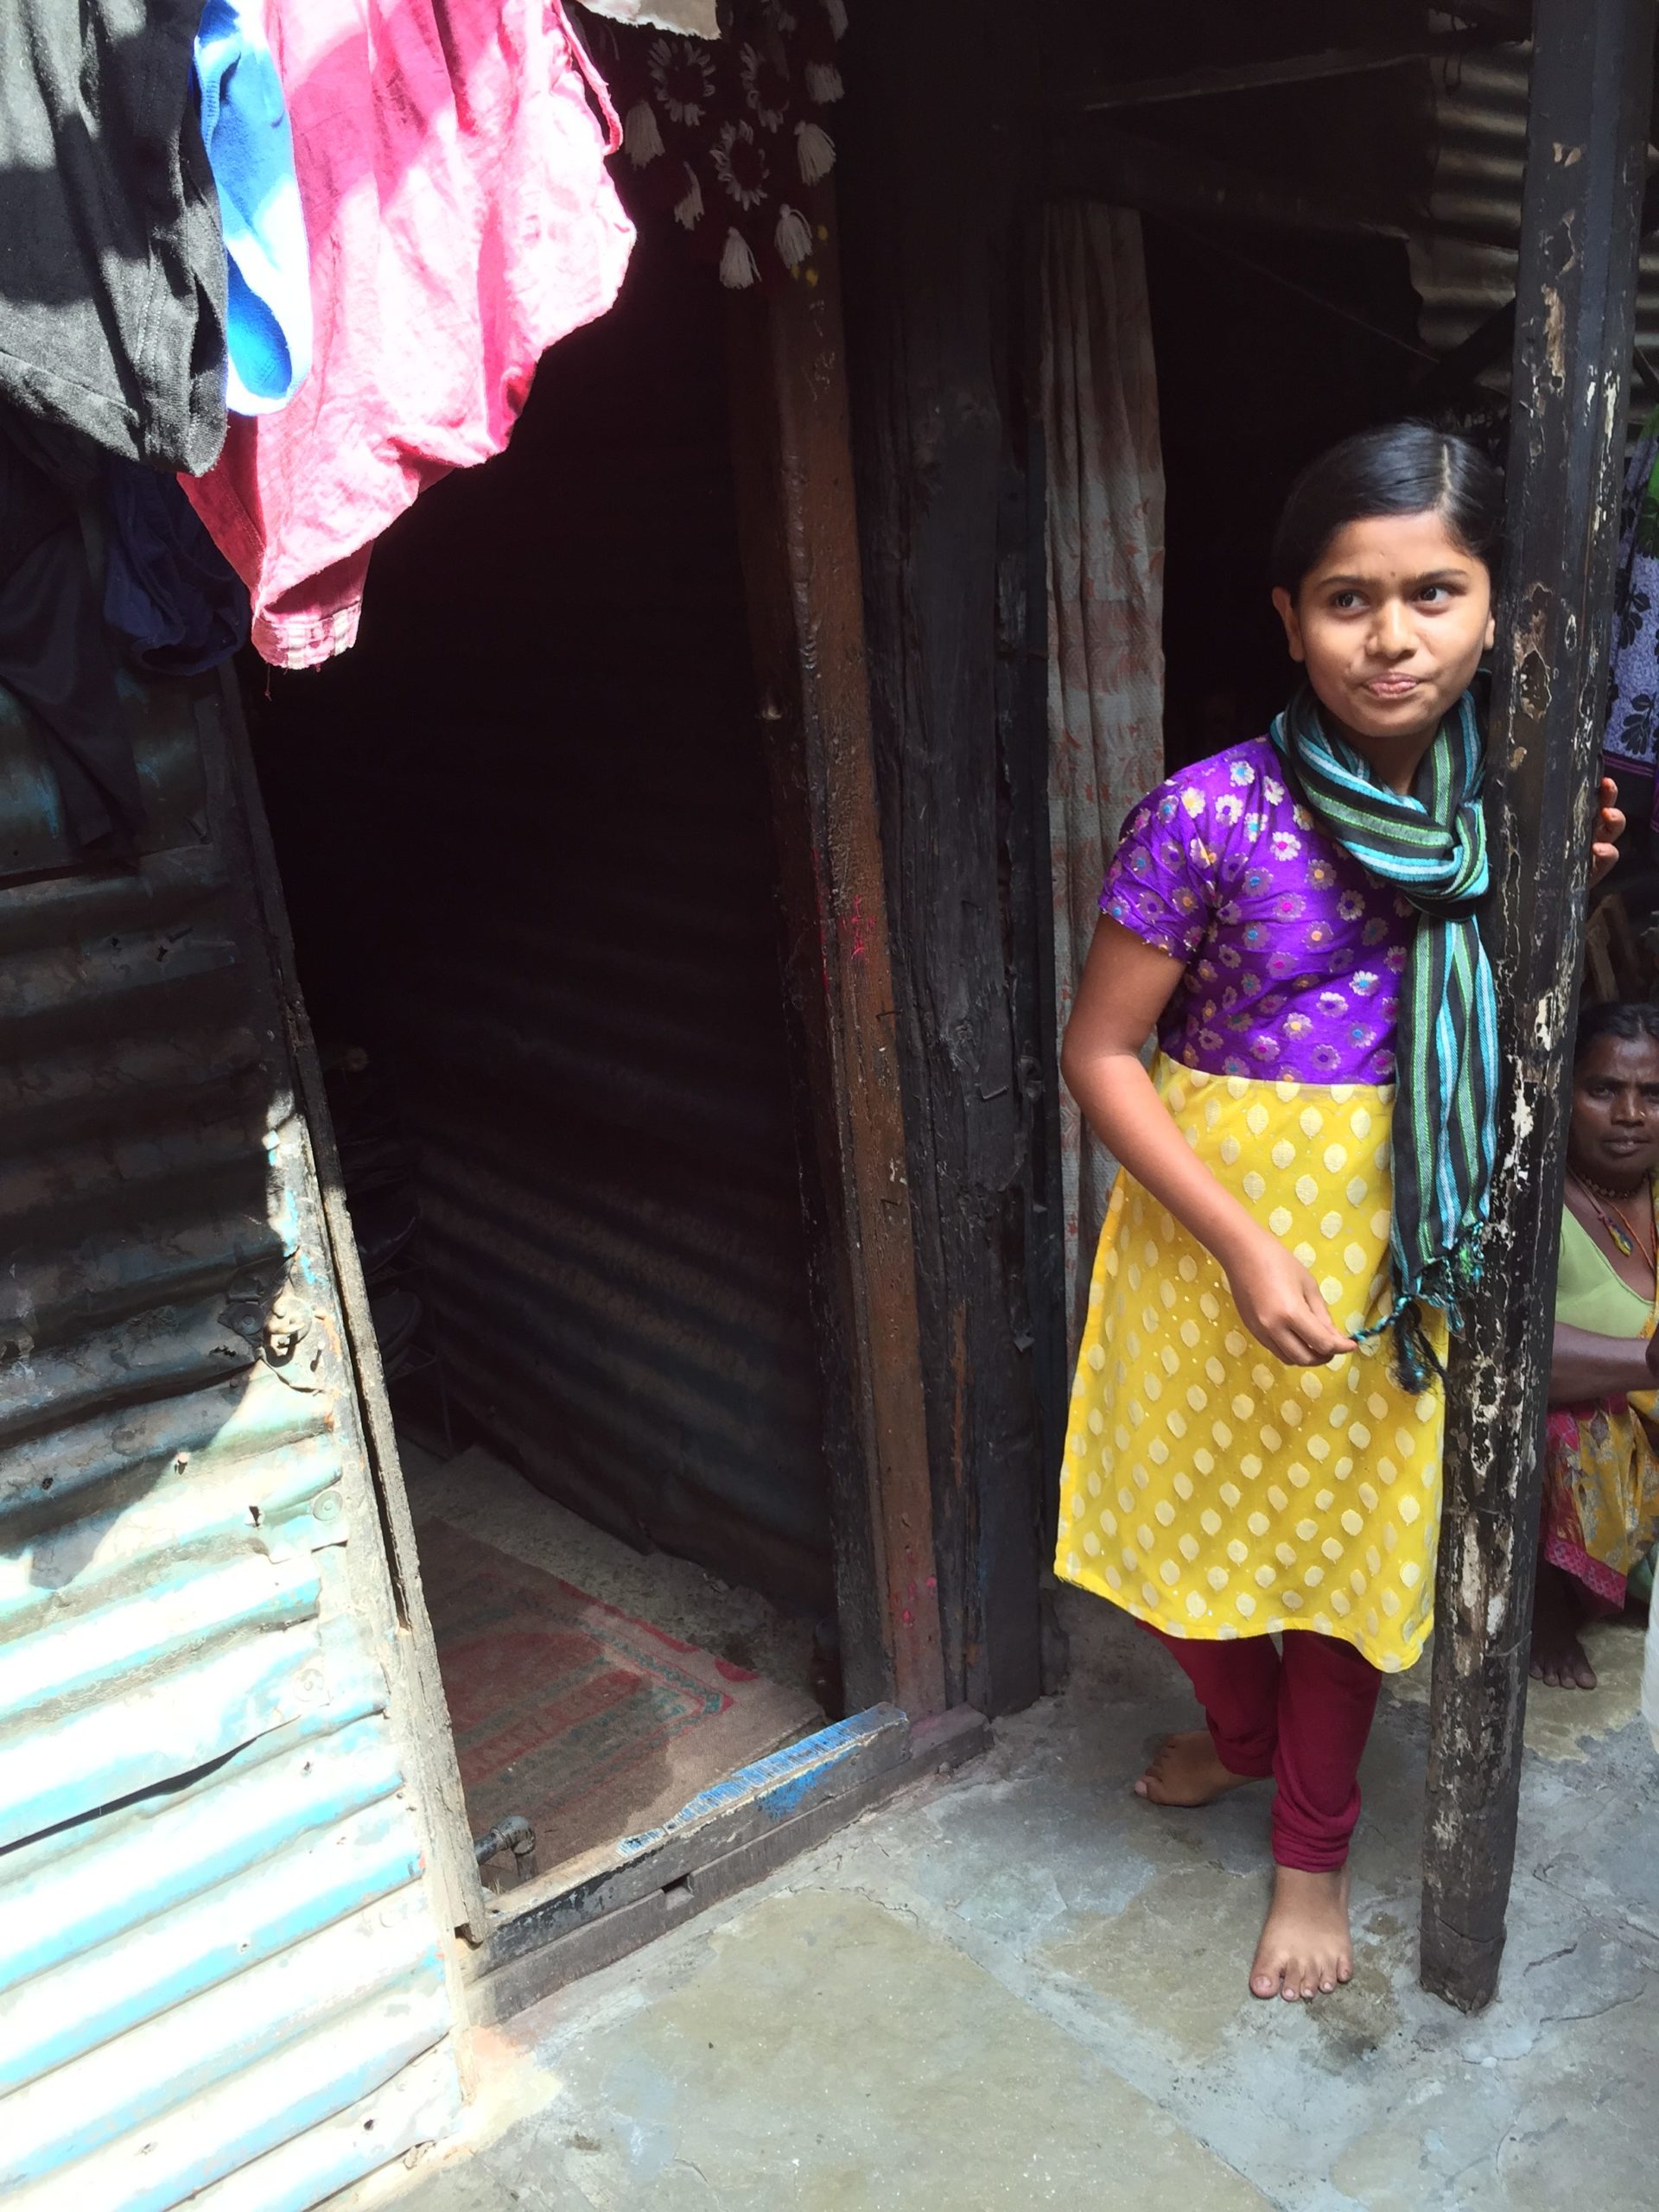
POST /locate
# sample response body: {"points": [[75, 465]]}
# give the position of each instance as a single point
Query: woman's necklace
{"points": [[1625, 1238]]}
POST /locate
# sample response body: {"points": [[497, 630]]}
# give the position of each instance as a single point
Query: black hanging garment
{"points": [[111, 258], [54, 653]]}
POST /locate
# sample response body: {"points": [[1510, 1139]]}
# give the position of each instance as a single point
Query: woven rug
{"points": [[591, 1724]]}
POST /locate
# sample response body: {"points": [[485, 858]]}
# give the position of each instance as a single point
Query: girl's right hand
{"points": [[1278, 1303]]}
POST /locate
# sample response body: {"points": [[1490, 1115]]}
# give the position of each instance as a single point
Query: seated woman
{"points": [[1601, 1457]]}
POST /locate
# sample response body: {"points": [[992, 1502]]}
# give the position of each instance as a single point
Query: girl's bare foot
{"points": [[1558, 1657], [1306, 1947], [1185, 1771]]}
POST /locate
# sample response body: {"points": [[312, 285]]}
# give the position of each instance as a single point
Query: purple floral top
{"points": [[1294, 953]]}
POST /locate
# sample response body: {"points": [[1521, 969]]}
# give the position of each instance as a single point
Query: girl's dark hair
{"points": [[1632, 1019], [1403, 469]]}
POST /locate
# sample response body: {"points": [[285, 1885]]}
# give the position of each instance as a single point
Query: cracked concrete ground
{"points": [[1023, 1986]]}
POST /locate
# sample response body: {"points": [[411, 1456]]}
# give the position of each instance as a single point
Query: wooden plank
{"points": [[1511, 18], [1218, 78], [824, 1766], [1591, 72], [404, 1643], [1493, 340], [1093, 161], [774, 1828], [929, 197], [1022, 719], [799, 540]]}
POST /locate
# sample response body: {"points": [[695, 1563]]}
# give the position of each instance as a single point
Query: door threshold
{"points": [[591, 1911]]}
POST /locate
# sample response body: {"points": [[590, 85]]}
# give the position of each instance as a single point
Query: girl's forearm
{"points": [[1123, 1109], [1584, 1368]]}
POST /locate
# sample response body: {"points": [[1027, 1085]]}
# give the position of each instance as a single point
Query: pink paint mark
{"points": [[908, 1617], [859, 926]]}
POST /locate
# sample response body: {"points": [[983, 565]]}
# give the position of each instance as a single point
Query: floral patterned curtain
{"points": [[1105, 612], [729, 135]]}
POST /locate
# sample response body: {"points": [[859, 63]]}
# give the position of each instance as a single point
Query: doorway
{"points": [[525, 842]]}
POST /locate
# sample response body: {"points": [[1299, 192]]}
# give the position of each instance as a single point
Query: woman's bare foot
{"points": [[1305, 1945], [1558, 1657], [1185, 1771]]}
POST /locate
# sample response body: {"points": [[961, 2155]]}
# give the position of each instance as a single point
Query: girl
{"points": [[1254, 1446]]}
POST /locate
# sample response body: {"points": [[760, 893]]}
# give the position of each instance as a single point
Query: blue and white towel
{"points": [[251, 150]]}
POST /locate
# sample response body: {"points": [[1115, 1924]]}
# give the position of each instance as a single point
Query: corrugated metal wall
{"points": [[1477, 127], [219, 1968], [540, 887]]}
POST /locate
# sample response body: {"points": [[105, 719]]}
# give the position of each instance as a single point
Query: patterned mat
{"points": [[590, 1723]]}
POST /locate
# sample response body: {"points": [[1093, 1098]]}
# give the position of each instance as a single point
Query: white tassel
{"points": [[737, 264], [793, 236], [815, 150], [688, 212], [836, 11], [641, 138], [823, 83]]}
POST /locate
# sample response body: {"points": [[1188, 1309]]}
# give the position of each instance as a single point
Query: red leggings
{"points": [[1303, 1718]]}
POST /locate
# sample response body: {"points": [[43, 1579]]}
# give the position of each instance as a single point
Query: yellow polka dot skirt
{"points": [[1209, 1489]]}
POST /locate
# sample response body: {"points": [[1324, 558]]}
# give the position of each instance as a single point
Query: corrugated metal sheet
{"points": [[542, 891], [1465, 272], [220, 1967]]}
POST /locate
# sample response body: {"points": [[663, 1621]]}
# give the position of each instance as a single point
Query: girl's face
{"points": [[1390, 623], [1613, 1136]]}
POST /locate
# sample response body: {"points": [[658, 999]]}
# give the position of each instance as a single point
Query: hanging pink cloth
{"points": [[461, 220]]}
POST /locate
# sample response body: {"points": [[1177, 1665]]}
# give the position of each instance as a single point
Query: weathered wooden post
{"points": [[1585, 147], [798, 531]]}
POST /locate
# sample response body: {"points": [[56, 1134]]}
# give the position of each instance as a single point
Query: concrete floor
{"points": [[1024, 1987]]}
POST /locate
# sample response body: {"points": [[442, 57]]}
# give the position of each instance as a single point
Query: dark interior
{"points": [[525, 833]]}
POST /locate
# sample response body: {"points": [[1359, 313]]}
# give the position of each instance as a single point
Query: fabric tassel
{"points": [[793, 237], [823, 82], [688, 211], [836, 11], [642, 140], [816, 151], [738, 268]]}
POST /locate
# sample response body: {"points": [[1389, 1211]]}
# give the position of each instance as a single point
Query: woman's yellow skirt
{"points": [[1209, 1489]]}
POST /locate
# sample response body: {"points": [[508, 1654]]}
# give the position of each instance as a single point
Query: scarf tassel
{"points": [[1448, 1283]]}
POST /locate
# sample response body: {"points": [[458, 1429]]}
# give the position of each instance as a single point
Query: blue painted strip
{"points": [[352, 1771], [153, 1626], [397, 1862], [235, 1699], [271, 2129], [781, 1784], [82, 2134], [294, 1488]]}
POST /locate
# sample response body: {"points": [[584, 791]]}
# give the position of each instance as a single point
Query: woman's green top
{"points": [[1590, 1293]]}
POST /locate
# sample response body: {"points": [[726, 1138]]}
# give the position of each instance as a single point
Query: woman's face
{"points": [[1613, 1137], [1390, 623]]}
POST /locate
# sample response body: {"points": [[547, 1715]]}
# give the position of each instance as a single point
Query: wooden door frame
{"points": [[797, 529]]}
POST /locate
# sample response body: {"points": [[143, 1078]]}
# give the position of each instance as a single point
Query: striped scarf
{"points": [[1430, 847]]}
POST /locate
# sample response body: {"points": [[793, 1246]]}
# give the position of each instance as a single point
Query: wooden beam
{"points": [[1493, 340], [799, 538], [930, 145], [1586, 138], [1509, 18], [1487, 343], [1331, 61], [1225, 248], [1092, 160]]}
